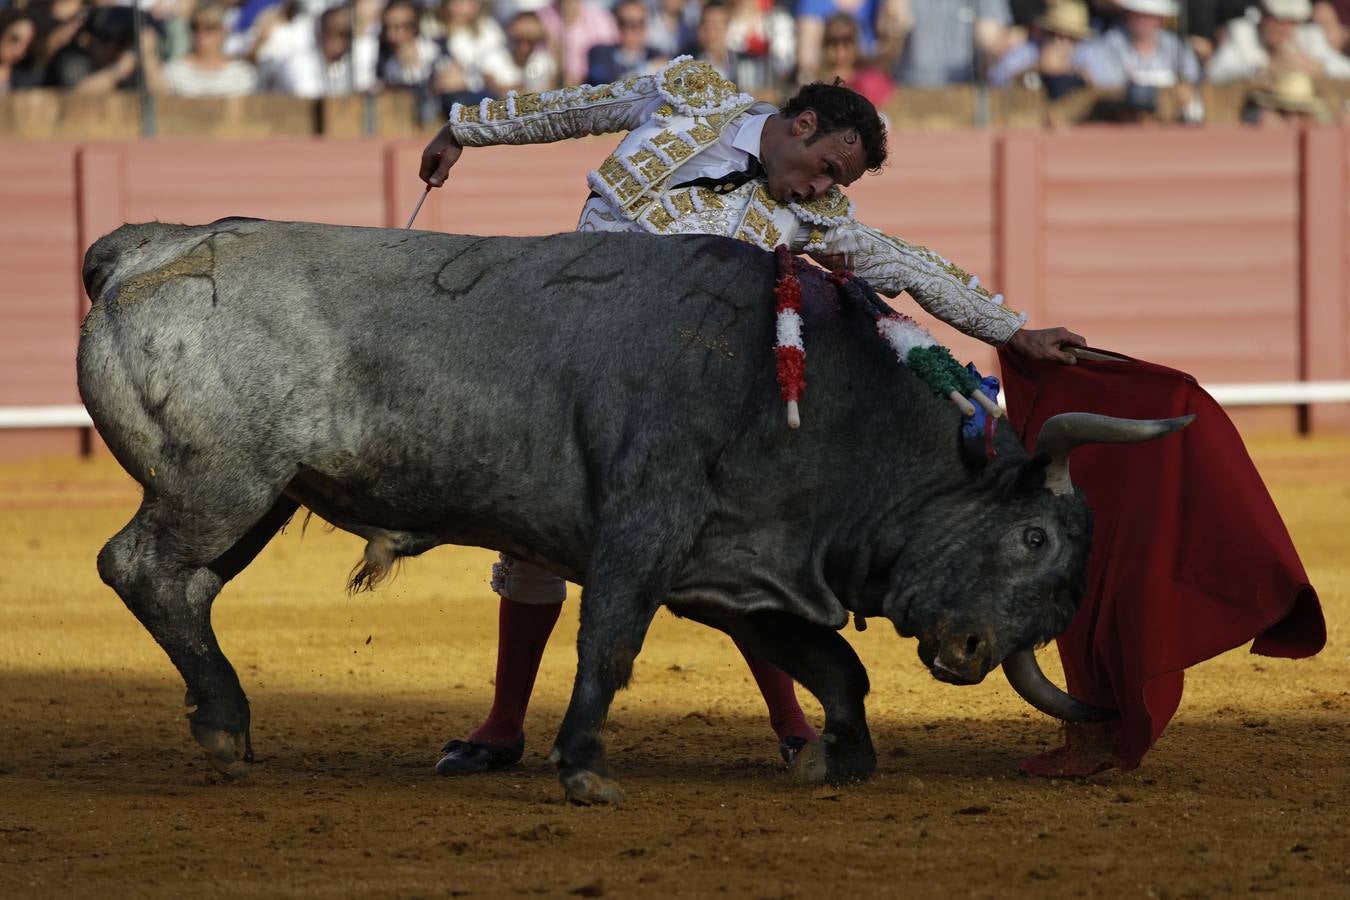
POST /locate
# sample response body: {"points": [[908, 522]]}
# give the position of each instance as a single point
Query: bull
{"points": [[603, 406]]}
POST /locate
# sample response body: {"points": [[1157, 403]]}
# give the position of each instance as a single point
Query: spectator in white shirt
{"points": [[334, 65], [205, 70], [477, 48], [1283, 38], [276, 34], [533, 66]]}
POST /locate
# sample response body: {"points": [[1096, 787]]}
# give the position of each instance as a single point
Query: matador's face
{"points": [[807, 163]]}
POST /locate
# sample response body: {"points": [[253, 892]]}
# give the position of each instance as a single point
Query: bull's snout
{"points": [[959, 655]]}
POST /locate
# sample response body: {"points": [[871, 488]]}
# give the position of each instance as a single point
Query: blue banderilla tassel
{"points": [[977, 431]]}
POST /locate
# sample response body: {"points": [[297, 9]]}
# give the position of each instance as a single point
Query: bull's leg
{"points": [[168, 573], [823, 662], [615, 616], [642, 536], [627, 579]]}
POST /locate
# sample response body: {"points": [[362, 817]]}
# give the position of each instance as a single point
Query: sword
{"points": [[418, 208]]}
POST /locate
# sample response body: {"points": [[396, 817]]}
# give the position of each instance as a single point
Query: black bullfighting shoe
{"points": [[789, 747], [473, 758]]}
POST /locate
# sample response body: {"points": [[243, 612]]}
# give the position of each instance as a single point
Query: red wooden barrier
{"points": [[1325, 244], [938, 190], [39, 284], [502, 190], [341, 182], [1181, 247], [1219, 251]]}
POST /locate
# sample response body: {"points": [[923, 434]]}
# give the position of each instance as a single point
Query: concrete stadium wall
{"points": [[1222, 252]]}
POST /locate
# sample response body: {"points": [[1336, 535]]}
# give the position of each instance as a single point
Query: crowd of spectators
{"points": [[445, 51]]}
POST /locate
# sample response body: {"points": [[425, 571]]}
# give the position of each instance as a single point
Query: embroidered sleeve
{"points": [[940, 286], [556, 115]]}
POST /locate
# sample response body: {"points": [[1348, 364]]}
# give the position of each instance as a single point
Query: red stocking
{"points": [[785, 715], [522, 633]]}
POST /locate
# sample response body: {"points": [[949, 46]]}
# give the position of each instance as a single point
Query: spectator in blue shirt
{"points": [[1045, 59], [608, 63], [671, 24], [1138, 51], [951, 41]]}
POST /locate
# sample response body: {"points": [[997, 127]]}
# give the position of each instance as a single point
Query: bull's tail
{"points": [[385, 550], [380, 560]]}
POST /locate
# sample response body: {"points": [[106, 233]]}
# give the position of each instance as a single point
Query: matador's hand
{"points": [[1046, 343], [442, 153]]}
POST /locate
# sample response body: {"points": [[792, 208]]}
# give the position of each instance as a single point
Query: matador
{"points": [[701, 157]]}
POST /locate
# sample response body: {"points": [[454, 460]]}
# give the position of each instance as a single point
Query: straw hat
{"points": [[1292, 92], [1067, 17], [1149, 7]]}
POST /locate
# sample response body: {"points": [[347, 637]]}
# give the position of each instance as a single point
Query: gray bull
{"points": [[604, 406]]}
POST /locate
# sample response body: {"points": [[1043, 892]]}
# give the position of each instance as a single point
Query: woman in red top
{"points": [[844, 59]]}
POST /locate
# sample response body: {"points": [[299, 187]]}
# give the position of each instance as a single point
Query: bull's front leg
{"points": [[820, 660], [616, 610], [642, 538]]}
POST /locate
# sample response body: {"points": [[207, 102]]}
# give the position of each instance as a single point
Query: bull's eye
{"points": [[1034, 537]]}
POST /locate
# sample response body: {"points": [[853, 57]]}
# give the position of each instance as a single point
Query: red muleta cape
{"points": [[1189, 555]]}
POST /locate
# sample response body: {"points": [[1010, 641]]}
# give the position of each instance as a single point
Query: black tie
{"points": [[723, 184]]}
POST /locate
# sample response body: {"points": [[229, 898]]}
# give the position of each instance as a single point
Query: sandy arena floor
{"points": [[103, 792]]}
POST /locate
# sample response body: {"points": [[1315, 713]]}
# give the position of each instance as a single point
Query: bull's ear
{"points": [[1028, 479]]}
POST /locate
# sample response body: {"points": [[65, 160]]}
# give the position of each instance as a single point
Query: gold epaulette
{"points": [[829, 209], [826, 211], [696, 89]]}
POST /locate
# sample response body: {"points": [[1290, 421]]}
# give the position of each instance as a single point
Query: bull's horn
{"points": [[1061, 433], [1026, 677]]}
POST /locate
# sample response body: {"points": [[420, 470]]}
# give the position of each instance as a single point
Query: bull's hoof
{"points": [[811, 764], [831, 760], [852, 767], [229, 754], [586, 788]]}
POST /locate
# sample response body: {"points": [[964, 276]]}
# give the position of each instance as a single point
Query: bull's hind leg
{"points": [[823, 662], [168, 566]]}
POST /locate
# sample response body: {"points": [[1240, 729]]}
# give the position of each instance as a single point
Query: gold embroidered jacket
{"points": [[681, 111]]}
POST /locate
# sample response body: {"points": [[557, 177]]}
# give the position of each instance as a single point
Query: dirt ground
{"points": [[103, 792]]}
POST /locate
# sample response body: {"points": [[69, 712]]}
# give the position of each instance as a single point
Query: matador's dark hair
{"points": [[839, 109]]}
